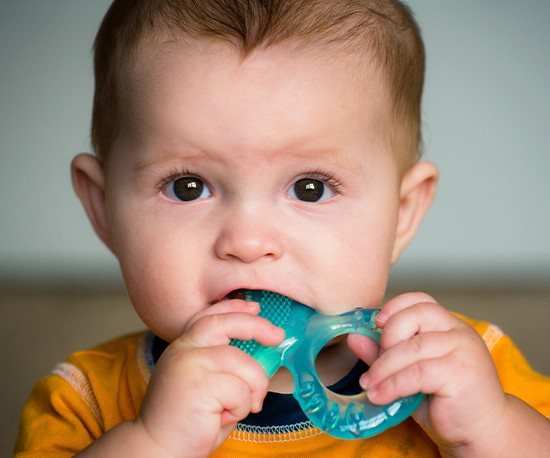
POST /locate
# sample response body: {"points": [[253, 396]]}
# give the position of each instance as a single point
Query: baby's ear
{"points": [[417, 193], [89, 185]]}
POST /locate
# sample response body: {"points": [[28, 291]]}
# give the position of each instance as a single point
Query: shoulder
{"points": [[129, 352], [87, 394], [113, 373]]}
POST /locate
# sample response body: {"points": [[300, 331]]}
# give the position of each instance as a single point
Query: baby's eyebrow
{"points": [[334, 156], [171, 157], [349, 161]]}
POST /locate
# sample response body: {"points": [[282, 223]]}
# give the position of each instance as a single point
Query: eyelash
{"points": [[326, 177], [173, 175], [319, 174]]}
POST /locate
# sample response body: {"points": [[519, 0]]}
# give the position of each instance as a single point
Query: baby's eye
{"points": [[187, 189], [310, 190]]}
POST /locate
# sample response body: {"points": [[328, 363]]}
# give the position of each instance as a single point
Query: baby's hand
{"points": [[424, 348], [201, 386]]}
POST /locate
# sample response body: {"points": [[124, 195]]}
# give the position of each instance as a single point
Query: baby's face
{"points": [[274, 173]]}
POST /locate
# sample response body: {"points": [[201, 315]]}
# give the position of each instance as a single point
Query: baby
{"points": [[273, 145]]}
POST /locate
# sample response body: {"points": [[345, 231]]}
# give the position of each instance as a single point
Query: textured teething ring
{"points": [[307, 332]]}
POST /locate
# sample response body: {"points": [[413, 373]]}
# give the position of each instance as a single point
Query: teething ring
{"points": [[307, 332]]}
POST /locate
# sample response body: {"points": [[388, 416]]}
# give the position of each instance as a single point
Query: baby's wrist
{"points": [[148, 441], [515, 420], [127, 439]]}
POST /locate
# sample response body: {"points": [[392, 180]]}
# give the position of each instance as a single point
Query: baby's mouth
{"points": [[235, 294]]}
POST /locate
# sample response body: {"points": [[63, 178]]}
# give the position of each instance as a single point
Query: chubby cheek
{"points": [[157, 296], [161, 270], [356, 264]]}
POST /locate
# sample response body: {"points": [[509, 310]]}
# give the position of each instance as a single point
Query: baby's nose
{"points": [[248, 239]]}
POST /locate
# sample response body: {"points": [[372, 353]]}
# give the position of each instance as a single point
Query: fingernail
{"points": [[382, 318], [364, 381], [372, 393]]}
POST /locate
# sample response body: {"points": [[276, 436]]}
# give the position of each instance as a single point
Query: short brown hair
{"points": [[383, 29]]}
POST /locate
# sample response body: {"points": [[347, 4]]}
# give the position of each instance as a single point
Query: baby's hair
{"points": [[382, 31]]}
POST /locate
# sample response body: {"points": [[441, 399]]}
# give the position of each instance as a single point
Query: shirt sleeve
{"points": [[516, 375], [519, 378], [58, 419]]}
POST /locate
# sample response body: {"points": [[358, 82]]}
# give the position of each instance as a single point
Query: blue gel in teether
{"points": [[306, 333]]}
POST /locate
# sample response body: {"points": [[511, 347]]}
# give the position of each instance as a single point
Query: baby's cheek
{"points": [[160, 285]]}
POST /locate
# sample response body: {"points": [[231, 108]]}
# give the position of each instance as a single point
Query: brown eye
{"points": [[309, 190], [187, 189]]}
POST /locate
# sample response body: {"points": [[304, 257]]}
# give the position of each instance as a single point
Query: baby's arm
{"points": [[424, 348], [200, 389]]}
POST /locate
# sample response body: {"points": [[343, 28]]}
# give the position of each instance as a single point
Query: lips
{"points": [[235, 294], [238, 293]]}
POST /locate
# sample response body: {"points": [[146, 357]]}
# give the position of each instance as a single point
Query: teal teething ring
{"points": [[307, 332]]}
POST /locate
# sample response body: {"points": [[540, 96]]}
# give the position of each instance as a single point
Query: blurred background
{"points": [[483, 250]]}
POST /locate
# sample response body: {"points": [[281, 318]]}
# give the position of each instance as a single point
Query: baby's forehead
{"points": [[358, 43], [275, 101], [204, 75], [293, 70], [156, 56]]}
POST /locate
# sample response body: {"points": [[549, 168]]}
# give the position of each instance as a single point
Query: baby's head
{"points": [[252, 144], [372, 36]]}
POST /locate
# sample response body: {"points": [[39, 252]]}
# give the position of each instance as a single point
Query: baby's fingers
{"points": [[204, 369], [228, 306], [404, 354], [219, 329], [420, 318], [425, 376], [401, 302], [230, 396], [234, 362]]}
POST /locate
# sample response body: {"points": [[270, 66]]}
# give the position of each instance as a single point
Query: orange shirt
{"points": [[97, 389]]}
